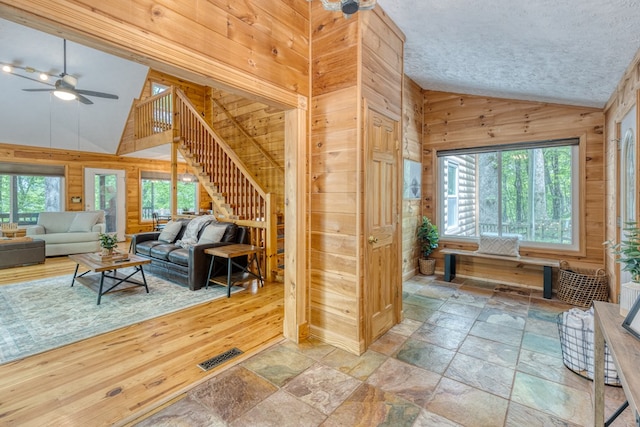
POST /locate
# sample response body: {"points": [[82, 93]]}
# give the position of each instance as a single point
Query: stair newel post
{"points": [[271, 236], [174, 152]]}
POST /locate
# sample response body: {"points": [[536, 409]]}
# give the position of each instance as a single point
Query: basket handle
{"points": [[601, 272]]}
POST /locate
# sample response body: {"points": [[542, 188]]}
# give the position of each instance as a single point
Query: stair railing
{"points": [[232, 187]]}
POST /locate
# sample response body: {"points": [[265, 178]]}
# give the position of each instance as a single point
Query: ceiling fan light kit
{"points": [[348, 7], [13, 69], [65, 85], [64, 95]]}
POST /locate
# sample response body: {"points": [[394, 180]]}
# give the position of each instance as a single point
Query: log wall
{"points": [[625, 96], [462, 121]]}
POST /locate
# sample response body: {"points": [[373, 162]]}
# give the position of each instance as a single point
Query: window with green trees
{"points": [[23, 197], [526, 190], [156, 194]]}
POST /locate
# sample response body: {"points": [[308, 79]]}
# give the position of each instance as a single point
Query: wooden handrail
{"points": [[236, 194], [154, 114]]}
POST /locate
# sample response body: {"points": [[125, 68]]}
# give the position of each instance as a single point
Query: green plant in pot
{"points": [[108, 242], [628, 250], [428, 237]]}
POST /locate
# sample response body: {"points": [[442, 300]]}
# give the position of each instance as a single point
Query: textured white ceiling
{"points": [[569, 52]]}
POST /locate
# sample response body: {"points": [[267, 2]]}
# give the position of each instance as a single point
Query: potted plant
{"points": [[628, 254], [428, 237], [628, 250], [108, 242]]}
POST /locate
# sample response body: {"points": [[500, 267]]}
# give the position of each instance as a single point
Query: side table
{"points": [[234, 251]]}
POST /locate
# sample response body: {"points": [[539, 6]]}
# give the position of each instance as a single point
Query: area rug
{"points": [[44, 314]]}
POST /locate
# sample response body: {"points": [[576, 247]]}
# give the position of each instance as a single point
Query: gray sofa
{"points": [[69, 232], [186, 266]]}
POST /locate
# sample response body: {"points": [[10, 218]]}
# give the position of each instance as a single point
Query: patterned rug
{"points": [[44, 314]]}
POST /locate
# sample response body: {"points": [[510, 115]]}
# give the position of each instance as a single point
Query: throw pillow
{"points": [[507, 246], [83, 222], [212, 233], [190, 236], [170, 231]]}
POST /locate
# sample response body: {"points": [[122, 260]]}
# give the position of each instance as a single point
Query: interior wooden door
{"points": [[382, 254]]}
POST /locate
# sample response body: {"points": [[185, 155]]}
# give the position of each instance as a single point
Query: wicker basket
{"points": [[582, 286], [427, 266]]}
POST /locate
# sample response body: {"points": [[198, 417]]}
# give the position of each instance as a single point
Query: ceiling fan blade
{"points": [[38, 90], [33, 80], [97, 94], [84, 100]]}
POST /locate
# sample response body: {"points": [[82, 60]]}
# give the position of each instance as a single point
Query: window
{"points": [[156, 194], [27, 190], [452, 196], [162, 108], [525, 190]]}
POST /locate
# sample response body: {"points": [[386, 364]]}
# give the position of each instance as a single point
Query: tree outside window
{"points": [[23, 197], [156, 195], [525, 190]]}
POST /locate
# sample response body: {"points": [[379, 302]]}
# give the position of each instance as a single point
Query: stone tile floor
{"points": [[469, 353]]}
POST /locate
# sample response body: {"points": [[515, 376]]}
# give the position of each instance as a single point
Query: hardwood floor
{"points": [[114, 378]]}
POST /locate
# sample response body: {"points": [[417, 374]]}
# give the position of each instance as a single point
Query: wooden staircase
{"points": [[236, 195]]}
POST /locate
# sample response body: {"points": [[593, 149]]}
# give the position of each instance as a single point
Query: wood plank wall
{"points": [[625, 96], [255, 132], [334, 315], [76, 161], [412, 119], [353, 59], [266, 40], [461, 121]]}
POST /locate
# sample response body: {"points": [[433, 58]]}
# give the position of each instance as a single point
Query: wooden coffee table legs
{"points": [[91, 280]]}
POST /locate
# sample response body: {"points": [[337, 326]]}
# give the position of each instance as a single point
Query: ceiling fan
{"points": [[348, 7], [65, 87]]}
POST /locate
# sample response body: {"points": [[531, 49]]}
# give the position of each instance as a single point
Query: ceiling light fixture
{"points": [[65, 95], [348, 7], [25, 71]]}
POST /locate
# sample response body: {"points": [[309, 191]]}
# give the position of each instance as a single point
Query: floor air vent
{"points": [[219, 359]]}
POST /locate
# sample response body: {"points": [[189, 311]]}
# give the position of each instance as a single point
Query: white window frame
{"points": [[576, 203]]}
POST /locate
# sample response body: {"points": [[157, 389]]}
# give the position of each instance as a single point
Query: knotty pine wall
{"points": [[254, 130], [356, 58], [75, 162], [457, 121], [412, 119], [626, 95]]}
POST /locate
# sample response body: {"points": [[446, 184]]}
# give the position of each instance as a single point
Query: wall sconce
{"points": [[76, 199]]}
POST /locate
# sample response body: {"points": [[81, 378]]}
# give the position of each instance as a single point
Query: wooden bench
{"points": [[547, 264]]}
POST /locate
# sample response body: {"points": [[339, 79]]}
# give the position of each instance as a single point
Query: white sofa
{"points": [[69, 232]]}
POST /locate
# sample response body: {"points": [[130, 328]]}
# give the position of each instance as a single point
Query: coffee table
{"points": [[108, 270]]}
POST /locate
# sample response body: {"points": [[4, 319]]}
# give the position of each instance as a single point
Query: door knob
{"points": [[373, 239]]}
